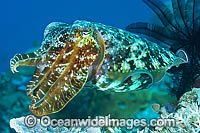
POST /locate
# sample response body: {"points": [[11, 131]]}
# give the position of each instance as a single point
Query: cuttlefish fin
{"points": [[136, 80], [181, 57], [54, 96], [116, 76], [158, 75]]}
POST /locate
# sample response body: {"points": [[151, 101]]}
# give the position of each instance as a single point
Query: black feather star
{"points": [[180, 28]]}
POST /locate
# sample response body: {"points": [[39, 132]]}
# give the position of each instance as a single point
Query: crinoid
{"points": [[180, 28]]}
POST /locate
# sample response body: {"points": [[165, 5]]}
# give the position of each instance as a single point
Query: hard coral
{"points": [[187, 115], [18, 125]]}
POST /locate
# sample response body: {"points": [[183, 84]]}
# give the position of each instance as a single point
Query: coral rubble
{"points": [[187, 116]]}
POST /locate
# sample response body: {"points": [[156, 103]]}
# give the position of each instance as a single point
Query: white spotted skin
{"points": [[125, 53]]}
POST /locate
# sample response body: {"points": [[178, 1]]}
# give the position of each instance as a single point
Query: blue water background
{"points": [[23, 21]]}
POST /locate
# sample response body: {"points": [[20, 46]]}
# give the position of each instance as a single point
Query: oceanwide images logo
{"points": [[99, 121]]}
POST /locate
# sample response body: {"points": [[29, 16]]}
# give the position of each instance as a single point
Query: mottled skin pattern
{"points": [[131, 62], [72, 55]]}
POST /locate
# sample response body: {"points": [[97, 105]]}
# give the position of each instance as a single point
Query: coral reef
{"points": [[18, 125], [14, 101], [187, 116]]}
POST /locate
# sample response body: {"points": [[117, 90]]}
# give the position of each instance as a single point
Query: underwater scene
{"points": [[100, 66]]}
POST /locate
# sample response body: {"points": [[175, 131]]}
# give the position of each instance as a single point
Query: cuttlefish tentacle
{"points": [[70, 81], [29, 59]]}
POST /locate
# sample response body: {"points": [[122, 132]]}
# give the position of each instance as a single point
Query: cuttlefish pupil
{"points": [[86, 33], [72, 55]]}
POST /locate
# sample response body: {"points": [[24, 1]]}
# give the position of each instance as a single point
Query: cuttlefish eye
{"points": [[85, 33]]}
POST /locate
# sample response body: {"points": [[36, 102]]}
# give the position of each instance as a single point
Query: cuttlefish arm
{"points": [[65, 81], [29, 59], [34, 58]]}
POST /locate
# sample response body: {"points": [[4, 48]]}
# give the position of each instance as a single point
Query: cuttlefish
{"points": [[73, 55]]}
